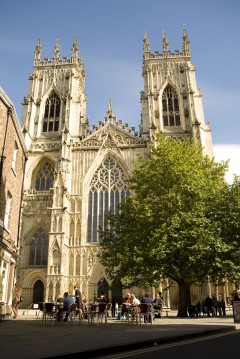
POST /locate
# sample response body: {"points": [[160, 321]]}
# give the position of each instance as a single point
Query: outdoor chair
{"points": [[40, 310], [74, 313], [146, 312], [49, 313], [126, 315], [102, 313], [91, 313]]}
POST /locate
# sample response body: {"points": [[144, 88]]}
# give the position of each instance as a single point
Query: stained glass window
{"points": [[107, 190], [45, 177], [39, 248]]}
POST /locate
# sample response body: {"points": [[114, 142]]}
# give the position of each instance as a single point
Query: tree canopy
{"points": [[171, 225]]}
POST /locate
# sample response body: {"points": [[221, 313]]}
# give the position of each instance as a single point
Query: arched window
{"points": [[171, 115], [45, 177], [107, 190], [39, 249], [51, 114]]}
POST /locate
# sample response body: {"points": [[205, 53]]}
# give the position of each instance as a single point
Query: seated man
{"points": [[68, 301]]}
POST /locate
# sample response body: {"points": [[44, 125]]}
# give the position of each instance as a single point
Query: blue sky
{"points": [[110, 35]]}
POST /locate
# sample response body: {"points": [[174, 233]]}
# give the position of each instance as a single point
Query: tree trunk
{"points": [[184, 299]]}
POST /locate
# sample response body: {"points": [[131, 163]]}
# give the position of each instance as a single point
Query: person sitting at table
{"points": [[147, 299], [68, 301], [125, 303], [103, 298], [127, 299], [134, 300]]}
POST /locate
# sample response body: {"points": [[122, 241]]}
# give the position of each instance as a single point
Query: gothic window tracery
{"points": [[52, 113], [107, 190], [39, 248], [170, 105], [45, 177]]}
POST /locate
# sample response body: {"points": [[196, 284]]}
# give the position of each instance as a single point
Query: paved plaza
{"points": [[25, 337]]}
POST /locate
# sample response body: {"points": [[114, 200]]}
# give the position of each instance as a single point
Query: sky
{"points": [[110, 37]]}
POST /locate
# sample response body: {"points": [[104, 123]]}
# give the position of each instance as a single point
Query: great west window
{"points": [[107, 190]]}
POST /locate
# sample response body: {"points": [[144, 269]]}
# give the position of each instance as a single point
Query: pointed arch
{"points": [[38, 291], [51, 115], [106, 190], [43, 175], [102, 287], [170, 106], [38, 255]]}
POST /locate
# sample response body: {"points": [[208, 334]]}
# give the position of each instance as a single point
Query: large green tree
{"points": [[227, 212], [168, 227]]}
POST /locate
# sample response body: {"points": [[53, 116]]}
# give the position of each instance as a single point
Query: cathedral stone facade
{"points": [[75, 173]]}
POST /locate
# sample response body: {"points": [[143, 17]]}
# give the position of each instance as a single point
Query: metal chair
{"points": [[49, 313], [40, 310], [146, 312], [91, 313], [102, 313], [126, 312], [74, 313]]}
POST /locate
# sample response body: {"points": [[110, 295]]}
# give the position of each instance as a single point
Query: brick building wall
{"points": [[12, 166]]}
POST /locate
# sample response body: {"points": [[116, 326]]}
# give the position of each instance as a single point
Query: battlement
{"points": [[56, 61], [165, 54]]}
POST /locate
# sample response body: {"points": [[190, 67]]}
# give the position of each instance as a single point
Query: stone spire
{"points": [[37, 52], [57, 50], [165, 44], [146, 47], [186, 42], [110, 113], [75, 50]]}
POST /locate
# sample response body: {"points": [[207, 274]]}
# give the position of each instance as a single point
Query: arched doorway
{"points": [[117, 291], [102, 287], [38, 290]]}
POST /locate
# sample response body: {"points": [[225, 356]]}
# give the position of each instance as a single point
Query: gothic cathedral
{"points": [[75, 173]]}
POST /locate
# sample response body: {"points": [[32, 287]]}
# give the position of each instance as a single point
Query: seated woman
{"points": [[134, 300]]}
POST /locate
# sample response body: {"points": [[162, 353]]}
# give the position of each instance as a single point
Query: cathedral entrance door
{"points": [[117, 292], [102, 287], [38, 290]]}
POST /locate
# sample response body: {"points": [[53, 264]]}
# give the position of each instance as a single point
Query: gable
{"points": [[110, 136]]}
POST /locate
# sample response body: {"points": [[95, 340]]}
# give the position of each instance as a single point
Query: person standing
{"points": [[209, 305], [215, 306], [78, 299], [16, 299]]}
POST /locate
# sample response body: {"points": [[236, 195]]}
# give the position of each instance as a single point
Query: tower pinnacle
{"points": [[186, 42], [75, 49], [165, 44], [37, 52], [110, 112], [145, 43], [57, 50]]}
